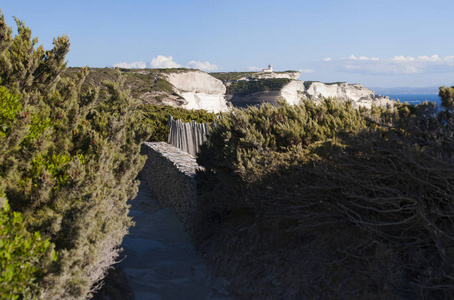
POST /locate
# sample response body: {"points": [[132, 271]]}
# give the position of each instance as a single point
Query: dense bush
{"points": [[24, 257], [248, 142], [331, 202], [260, 85], [68, 161]]}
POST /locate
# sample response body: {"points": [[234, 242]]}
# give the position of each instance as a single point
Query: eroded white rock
{"points": [[200, 90], [293, 92], [296, 91]]}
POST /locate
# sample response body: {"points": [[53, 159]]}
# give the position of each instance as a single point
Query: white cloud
{"points": [[305, 71], [327, 59], [162, 61], [134, 65], [202, 65], [431, 58], [352, 57], [399, 64], [402, 58]]}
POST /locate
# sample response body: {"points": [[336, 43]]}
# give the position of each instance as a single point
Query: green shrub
{"points": [[248, 87], [447, 96], [262, 133], [10, 107], [330, 202], [24, 257], [68, 161]]}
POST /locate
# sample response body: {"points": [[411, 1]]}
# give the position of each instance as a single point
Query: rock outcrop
{"points": [[293, 92], [296, 91], [199, 89]]}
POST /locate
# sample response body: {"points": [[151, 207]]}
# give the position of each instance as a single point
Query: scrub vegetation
{"points": [[137, 82], [69, 158], [331, 202], [242, 88], [317, 201], [68, 163]]}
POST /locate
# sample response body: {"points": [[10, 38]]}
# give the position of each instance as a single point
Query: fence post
{"points": [[187, 136]]}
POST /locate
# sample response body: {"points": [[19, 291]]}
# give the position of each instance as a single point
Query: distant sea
{"points": [[415, 98]]}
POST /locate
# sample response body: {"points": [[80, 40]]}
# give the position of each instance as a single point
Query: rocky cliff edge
{"points": [[293, 91], [216, 92], [296, 91], [200, 90]]}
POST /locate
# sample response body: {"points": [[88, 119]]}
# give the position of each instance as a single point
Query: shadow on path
{"points": [[160, 262]]}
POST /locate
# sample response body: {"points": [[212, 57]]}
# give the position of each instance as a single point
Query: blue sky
{"points": [[377, 43]]}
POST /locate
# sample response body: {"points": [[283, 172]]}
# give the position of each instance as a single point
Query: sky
{"points": [[378, 43]]}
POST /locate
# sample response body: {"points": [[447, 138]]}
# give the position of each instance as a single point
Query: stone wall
{"points": [[170, 175]]}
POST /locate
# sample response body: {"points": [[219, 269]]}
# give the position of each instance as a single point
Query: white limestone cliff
{"points": [[200, 90], [295, 91]]}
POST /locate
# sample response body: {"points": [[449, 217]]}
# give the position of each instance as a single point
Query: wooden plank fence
{"points": [[187, 136]]}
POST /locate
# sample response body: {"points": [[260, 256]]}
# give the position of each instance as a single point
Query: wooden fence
{"points": [[187, 136]]}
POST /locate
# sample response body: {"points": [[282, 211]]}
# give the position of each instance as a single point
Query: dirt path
{"points": [[160, 261]]}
